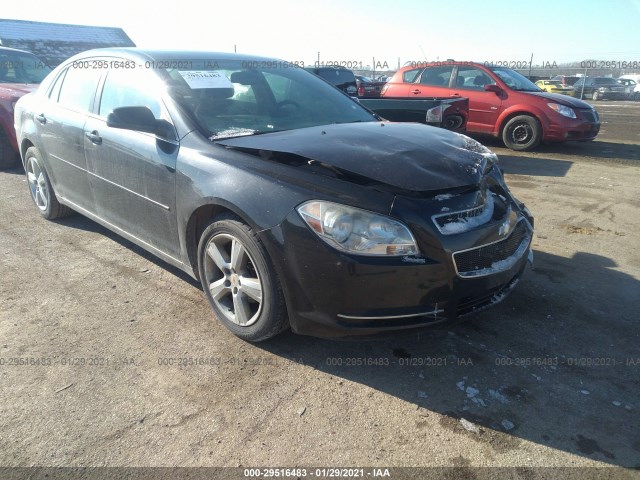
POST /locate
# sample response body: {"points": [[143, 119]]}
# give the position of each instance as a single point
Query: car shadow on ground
{"points": [[81, 222], [556, 364]]}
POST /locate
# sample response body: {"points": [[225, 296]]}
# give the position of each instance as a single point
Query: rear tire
{"points": [[42, 192], [522, 133], [239, 281]]}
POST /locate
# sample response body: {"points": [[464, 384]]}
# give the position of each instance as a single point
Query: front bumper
{"points": [[331, 294], [585, 127]]}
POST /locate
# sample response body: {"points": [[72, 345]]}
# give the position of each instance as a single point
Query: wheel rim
{"points": [[521, 133], [37, 184], [234, 283]]}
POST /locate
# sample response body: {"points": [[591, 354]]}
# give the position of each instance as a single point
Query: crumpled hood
{"points": [[408, 156], [562, 99]]}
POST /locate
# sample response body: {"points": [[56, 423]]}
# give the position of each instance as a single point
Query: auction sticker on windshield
{"points": [[197, 79]]}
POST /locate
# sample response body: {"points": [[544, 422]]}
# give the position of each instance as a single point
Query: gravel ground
{"points": [[127, 367]]}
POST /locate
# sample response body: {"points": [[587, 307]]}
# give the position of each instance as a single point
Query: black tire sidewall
{"points": [[273, 318], [533, 123]]}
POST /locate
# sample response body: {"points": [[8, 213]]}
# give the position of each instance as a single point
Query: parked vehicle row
{"points": [[450, 113], [292, 204], [599, 88], [502, 103]]}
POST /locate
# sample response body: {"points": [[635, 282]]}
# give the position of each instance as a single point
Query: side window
{"points": [[54, 93], [436, 76], [410, 75], [128, 88], [473, 79], [78, 88]]}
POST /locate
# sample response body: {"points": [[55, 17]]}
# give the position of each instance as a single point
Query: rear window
{"points": [[336, 76], [605, 81]]}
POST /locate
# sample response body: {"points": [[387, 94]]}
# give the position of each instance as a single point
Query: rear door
{"points": [[133, 173], [60, 124], [484, 107], [433, 82], [404, 86]]}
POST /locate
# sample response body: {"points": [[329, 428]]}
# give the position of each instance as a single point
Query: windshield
{"points": [[227, 99], [514, 80], [19, 67]]}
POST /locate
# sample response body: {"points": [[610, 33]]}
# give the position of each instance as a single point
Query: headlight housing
{"points": [[358, 231], [562, 110]]}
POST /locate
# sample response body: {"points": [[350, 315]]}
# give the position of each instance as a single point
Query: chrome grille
{"points": [[494, 257]]}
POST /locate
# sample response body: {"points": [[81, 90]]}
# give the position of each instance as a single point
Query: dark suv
{"points": [[338, 76], [599, 88], [20, 73]]}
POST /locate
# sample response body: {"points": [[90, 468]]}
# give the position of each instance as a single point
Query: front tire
{"points": [[40, 187], [522, 133], [239, 280]]}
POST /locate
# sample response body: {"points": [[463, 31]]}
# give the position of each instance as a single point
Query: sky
{"points": [[392, 32]]}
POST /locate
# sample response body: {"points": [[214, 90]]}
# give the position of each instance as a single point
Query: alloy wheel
{"points": [[233, 280], [37, 184]]}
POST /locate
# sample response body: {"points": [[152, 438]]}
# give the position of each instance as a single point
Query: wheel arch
{"points": [[504, 119], [198, 221]]}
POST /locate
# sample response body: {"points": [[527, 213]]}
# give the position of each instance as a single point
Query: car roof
{"points": [[439, 64], [166, 55]]}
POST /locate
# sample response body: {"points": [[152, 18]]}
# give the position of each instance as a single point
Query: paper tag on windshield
{"points": [[197, 79]]}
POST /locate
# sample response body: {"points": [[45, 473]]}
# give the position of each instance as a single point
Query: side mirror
{"points": [[492, 88], [140, 119]]}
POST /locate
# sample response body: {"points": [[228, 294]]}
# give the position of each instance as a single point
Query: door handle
{"points": [[94, 137], [415, 92], [41, 118]]}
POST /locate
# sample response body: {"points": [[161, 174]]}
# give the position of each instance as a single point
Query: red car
{"points": [[20, 73], [502, 103]]}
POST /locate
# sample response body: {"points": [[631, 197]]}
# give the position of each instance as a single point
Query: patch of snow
{"points": [[496, 395], [467, 425], [444, 196], [617, 403], [232, 132], [469, 223], [584, 392], [507, 425], [478, 401], [472, 392], [422, 394], [460, 385]]}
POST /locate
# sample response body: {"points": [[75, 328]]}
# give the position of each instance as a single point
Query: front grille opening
{"points": [[495, 257], [452, 223]]}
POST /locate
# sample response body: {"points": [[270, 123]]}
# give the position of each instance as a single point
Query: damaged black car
{"points": [[293, 205]]}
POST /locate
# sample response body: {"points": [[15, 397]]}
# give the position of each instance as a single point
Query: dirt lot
{"points": [[127, 367]]}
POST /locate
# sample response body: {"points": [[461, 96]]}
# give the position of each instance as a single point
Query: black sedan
{"points": [[292, 204], [600, 88]]}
